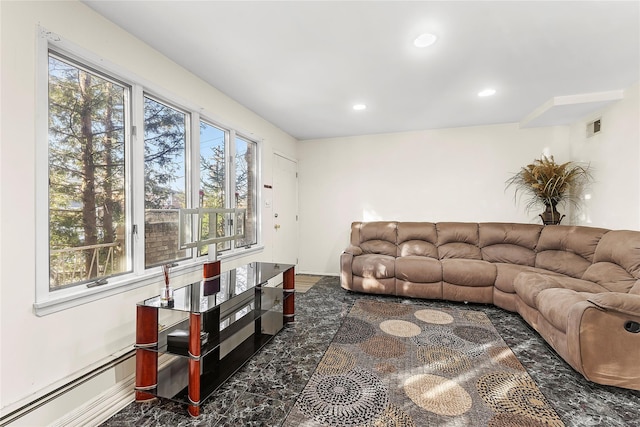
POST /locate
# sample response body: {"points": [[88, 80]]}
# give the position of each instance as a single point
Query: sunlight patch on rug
{"points": [[393, 364]]}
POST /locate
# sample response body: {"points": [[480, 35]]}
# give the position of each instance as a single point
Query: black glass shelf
{"points": [[205, 295], [173, 382]]}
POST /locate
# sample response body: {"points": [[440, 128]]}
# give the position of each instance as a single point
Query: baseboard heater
{"points": [[54, 394]]}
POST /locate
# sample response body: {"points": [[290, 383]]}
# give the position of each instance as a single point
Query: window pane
{"points": [[213, 182], [246, 194], [164, 181], [87, 203]]}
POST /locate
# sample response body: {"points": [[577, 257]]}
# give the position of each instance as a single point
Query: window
{"points": [[245, 193], [214, 186], [165, 185], [87, 194], [213, 183], [122, 162]]}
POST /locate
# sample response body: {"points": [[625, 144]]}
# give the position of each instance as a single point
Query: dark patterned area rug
{"points": [[393, 364]]}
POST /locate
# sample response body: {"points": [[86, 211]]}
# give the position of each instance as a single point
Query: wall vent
{"points": [[594, 127]]}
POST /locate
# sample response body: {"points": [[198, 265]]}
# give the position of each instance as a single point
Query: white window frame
{"points": [[47, 301]]}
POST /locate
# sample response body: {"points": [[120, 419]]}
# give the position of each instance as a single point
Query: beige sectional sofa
{"points": [[579, 287]]}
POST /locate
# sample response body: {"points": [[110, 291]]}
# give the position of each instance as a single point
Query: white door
{"points": [[285, 210]]}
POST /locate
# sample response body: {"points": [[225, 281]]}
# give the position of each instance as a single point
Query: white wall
{"points": [[459, 175], [614, 154], [37, 352]]}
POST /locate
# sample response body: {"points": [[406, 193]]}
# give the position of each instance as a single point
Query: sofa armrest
{"points": [[353, 250], [599, 341], [616, 301]]}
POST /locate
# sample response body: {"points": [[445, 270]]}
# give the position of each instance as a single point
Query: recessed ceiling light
{"points": [[359, 107], [424, 40], [487, 92]]}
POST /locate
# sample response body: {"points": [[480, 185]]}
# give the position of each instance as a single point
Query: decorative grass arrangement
{"points": [[545, 182]]}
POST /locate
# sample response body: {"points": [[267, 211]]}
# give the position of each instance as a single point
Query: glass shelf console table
{"points": [[228, 317]]}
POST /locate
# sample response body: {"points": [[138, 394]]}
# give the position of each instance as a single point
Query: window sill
{"points": [[182, 274], [240, 254]]}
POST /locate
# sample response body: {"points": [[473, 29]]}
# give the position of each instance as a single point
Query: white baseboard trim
{"points": [[107, 404], [313, 273], [100, 409]]}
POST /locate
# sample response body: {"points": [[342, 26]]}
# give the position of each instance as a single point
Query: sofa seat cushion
{"points": [[529, 284], [418, 269], [506, 275], [468, 272], [554, 305], [374, 266]]}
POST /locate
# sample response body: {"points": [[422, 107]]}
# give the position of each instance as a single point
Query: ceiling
{"points": [[302, 65]]}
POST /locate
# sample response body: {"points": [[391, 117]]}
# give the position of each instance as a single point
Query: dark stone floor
{"points": [[263, 392]]}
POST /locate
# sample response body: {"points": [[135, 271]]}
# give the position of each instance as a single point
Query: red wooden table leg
{"points": [[210, 269], [289, 286], [194, 364], [146, 361]]}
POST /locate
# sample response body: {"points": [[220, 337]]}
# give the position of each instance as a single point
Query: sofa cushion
{"points": [[554, 304], [509, 243], [378, 238], [562, 262], [616, 262], [418, 248], [506, 275], [508, 253], [417, 238], [567, 250], [468, 272], [611, 276], [374, 266], [458, 240], [621, 247], [418, 269], [529, 284]]}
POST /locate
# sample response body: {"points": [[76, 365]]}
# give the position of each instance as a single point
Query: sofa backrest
{"points": [[417, 239], [567, 249], [458, 240], [616, 261], [375, 237], [509, 243]]}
